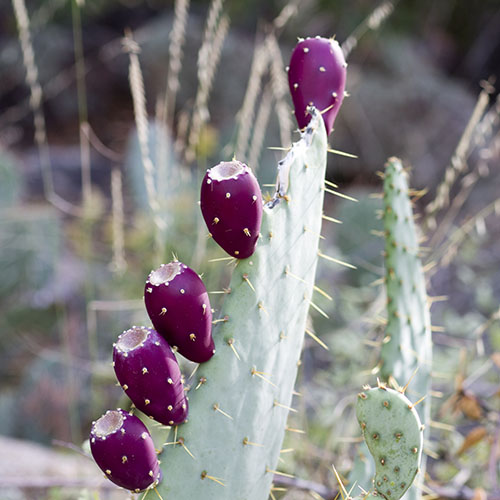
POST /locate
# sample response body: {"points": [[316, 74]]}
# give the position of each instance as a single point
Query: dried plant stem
{"points": [[141, 122], [279, 82], [82, 102], [259, 130], [259, 66], [208, 60], [22, 20], [177, 37], [118, 264], [372, 22], [457, 164]]}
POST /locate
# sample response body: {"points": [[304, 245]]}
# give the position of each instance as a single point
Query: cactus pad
{"points": [[240, 399], [393, 432]]}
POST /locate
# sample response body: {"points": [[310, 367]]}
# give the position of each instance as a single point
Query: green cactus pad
{"points": [[393, 432], [408, 335], [240, 399], [407, 350]]}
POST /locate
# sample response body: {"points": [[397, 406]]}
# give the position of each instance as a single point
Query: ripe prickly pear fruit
{"points": [[316, 76], [179, 308], [148, 372], [231, 204], [123, 448]]}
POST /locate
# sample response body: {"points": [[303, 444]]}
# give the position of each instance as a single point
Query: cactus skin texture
{"points": [[149, 374], [409, 349], [231, 204], [239, 400], [393, 432], [122, 447], [317, 76], [178, 305]]}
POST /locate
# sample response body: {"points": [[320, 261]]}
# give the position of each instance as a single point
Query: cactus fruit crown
{"points": [[109, 423], [394, 435]]}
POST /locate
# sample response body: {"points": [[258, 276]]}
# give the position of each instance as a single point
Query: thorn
{"points": [[278, 148], [158, 493], [291, 429], [320, 236], [330, 183], [181, 442], [261, 306], [200, 383], [435, 328], [340, 195], [247, 442], [442, 426], [322, 292], [278, 473], [217, 480], [343, 491], [293, 410], [249, 283], [331, 219], [225, 319], [221, 259], [262, 375], [403, 390], [317, 339], [224, 290], [331, 105], [216, 408], [336, 261], [230, 343], [287, 450], [341, 153], [418, 402], [317, 308]]}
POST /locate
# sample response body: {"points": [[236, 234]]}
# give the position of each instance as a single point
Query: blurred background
{"points": [[110, 112]]}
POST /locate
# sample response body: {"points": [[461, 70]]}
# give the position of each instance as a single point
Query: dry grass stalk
{"points": [[118, 264], [141, 121], [208, 61], [177, 37], [457, 164], [36, 98], [260, 127], [260, 63], [82, 103], [279, 82], [372, 22]]}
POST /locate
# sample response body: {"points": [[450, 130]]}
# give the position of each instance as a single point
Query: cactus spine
{"points": [[240, 399]]}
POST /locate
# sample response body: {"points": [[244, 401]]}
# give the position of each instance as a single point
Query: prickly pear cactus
{"points": [[408, 334], [407, 351], [393, 432], [240, 399]]}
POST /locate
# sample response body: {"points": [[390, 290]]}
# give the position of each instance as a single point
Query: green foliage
{"points": [[239, 401]]}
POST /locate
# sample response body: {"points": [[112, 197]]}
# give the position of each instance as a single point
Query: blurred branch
{"points": [[372, 22]]}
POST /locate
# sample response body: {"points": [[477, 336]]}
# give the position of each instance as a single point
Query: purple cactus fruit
{"points": [[148, 372], [177, 303], [316, 76], [122, 447], [231, 204]]}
